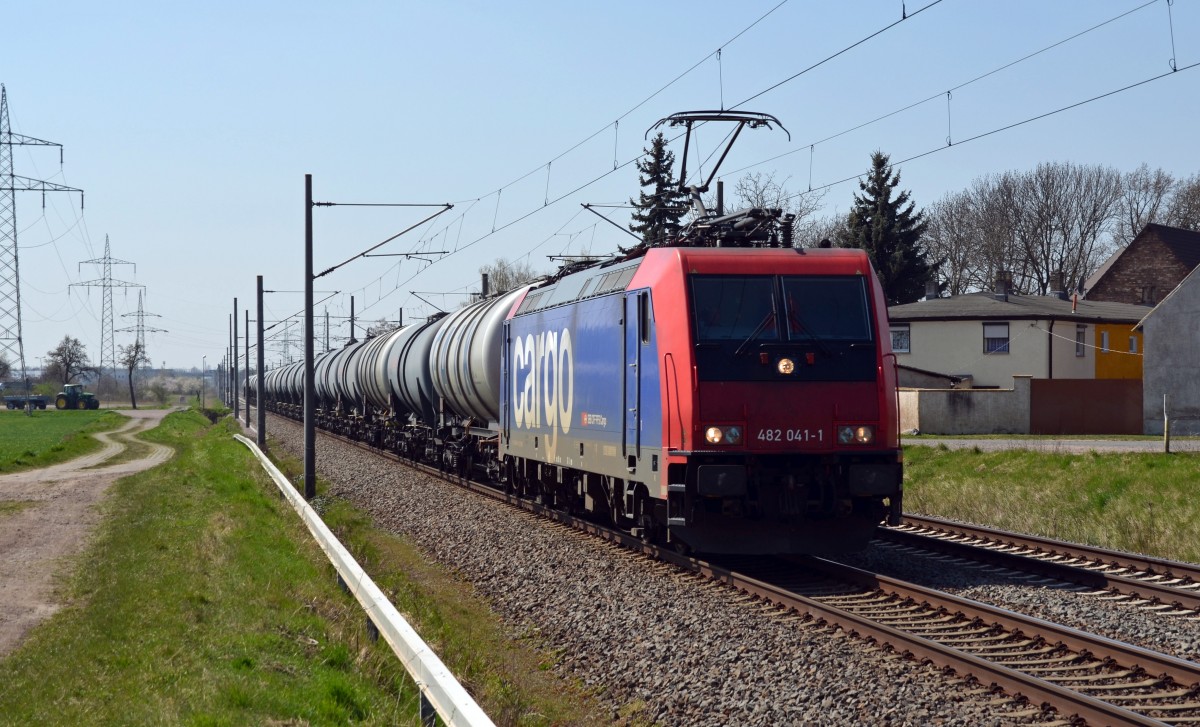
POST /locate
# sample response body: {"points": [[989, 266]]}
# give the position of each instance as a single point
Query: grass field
{"points": [[49, 437], [204, 601], [1146, 503]]}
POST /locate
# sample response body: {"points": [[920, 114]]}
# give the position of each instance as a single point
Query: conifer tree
{"points": [[890, 231], [660, 205]]}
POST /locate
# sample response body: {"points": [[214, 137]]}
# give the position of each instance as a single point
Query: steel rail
{"points": [[1038, 554], [1015, 683]]}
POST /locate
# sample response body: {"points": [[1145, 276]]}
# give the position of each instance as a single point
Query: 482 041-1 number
{"points": [[791, 435]]}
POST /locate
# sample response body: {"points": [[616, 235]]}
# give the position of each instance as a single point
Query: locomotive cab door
{"points": [[637, 334]]}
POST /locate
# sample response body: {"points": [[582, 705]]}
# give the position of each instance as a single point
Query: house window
{"points": [[1080, 340], [995, 338], [1149, 293], [1133, 344], [1104, 341], [901, 338]]}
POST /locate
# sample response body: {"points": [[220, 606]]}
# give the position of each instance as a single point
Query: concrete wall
{"points": [[967, 411], [1172, 361]]}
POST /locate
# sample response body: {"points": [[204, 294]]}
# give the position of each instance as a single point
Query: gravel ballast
{"points": [[644, 635]]}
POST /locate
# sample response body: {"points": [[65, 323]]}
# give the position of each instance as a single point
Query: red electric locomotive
{"points": [[727, 392]]}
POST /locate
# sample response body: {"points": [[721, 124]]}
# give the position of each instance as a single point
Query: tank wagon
{"points": [[727, 392]]}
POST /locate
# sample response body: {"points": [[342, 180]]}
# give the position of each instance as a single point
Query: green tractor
{"points": [[74, 397]]}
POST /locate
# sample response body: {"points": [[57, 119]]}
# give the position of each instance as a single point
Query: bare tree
{"points": [[814, 230], [954, 236], [131, 358], [1183, 210], [1057, 217], [1144, 195], [380, 327], [5, 367], [67, 360], [504, 275]]}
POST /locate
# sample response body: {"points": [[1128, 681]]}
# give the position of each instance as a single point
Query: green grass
{"points": [[202, 602], [12, 507], [1141, 502], [49, 437], [511, 679]]}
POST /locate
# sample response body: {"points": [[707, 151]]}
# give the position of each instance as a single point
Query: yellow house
{"points": [[1118, 351]]}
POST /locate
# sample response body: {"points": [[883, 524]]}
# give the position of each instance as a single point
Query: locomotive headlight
{"points": [[723, 435], [785, 366], [856, 435]]}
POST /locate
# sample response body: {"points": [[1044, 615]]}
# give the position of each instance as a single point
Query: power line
{"points": [[941, 94], [1015, 124]]}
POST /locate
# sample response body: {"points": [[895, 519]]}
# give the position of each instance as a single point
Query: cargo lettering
{"points": [[543, 382]]}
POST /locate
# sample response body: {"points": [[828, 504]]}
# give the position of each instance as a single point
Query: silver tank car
{"points": [[465, 360], [372, 369], [320, 376], [407, 365], [346, 375]]}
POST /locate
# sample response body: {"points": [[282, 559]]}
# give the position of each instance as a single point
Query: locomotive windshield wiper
{"points": [[762, 326], [796, 323]]}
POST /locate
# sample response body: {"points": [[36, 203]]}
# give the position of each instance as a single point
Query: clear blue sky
{"points": [[191, 126]]}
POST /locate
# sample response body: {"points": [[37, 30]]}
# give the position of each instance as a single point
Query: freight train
{"points": [[724, 392]]}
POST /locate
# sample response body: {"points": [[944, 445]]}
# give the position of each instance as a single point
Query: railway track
{"points": [[1085, 677], [1152, 584]]}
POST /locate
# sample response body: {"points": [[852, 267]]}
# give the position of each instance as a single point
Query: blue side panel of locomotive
{"points": [[565, 391]]}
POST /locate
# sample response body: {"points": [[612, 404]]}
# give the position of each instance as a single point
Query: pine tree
{"points": [[660, 205], [890, 231]]}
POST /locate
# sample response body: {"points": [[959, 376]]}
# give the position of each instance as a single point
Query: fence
{"points": [[438, 686]]}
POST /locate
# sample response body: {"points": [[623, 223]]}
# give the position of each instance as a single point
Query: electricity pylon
{"points": [[141, 329], [12, 345], [108, 348]]}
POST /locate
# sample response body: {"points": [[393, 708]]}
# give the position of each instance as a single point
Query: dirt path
{"points": [[56, 512]]}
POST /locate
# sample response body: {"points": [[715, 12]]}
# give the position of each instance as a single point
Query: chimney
{"points": [[1057, 289], [1003, 284], [931, 289]]}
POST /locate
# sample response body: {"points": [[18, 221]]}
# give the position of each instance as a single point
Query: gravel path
{"points": [[56, 514], [680, 648]]}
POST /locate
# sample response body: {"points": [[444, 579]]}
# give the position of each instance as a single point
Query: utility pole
{"points": [[262, 372], [326, 329], [233, 342], [352, 339], [310, 394], [247, 386], [108, 348], [140, 327], [12, 344]]}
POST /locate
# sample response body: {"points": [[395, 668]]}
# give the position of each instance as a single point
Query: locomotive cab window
{"points": [[729, 308], [826, 308]]}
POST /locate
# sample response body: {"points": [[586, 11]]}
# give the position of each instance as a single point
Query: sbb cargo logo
{"points": [[543, 392]]}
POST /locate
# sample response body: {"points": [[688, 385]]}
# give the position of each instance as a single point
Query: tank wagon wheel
{"points": [[61, 402]]}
